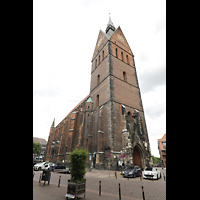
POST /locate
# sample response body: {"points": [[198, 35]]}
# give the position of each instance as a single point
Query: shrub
{"points": [[78, 164]]}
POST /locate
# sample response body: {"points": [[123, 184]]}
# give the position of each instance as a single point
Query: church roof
{"points": [[110, 29], [89, 100]]}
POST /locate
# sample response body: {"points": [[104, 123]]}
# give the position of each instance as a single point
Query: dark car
{"points": [[132, 171], [56, 166]]}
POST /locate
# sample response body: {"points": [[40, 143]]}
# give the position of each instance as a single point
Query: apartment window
{"points": [[122, 57], [116, 53], [124, 76]]}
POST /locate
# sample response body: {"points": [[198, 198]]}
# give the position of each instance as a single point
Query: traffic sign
{"points": [[124, 155], [121, 156], [108, 155]]}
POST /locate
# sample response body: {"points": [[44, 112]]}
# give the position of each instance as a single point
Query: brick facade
{"points": [[162, 150], [111, 118]]}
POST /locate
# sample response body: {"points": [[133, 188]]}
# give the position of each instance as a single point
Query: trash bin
{"points": [[46, 175]]}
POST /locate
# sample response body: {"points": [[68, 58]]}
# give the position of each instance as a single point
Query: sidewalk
{"points": [[53, 192], [130, 188]]}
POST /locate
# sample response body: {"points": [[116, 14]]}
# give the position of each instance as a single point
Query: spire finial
{"points": [[53, 122], [110, 25]]}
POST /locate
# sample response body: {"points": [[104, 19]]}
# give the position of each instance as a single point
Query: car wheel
{"points": [[39, 168], [160, 175], [157, 177], [133, 175]]}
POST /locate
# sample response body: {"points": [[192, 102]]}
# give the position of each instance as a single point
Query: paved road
{"points": [[130, 189]]}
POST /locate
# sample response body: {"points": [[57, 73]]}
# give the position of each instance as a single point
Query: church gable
{"points": [[119, 39], [101, 41]]}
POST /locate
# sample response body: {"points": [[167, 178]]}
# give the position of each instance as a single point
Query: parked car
{"points": [[151, 173], [39, 166], [56, 166], [132, 171], [47, 165]]}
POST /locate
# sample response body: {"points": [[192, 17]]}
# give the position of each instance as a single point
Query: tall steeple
{"points": [[53, 124], [110, 27]]}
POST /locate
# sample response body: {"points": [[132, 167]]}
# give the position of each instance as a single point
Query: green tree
{"points": [[78, 164], [155, 159], [37, 148]]}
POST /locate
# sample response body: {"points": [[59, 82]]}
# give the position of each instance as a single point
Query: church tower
{"points": [[111, 118], [118, 123]]}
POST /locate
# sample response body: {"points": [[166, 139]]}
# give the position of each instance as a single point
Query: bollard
{"points": [[40, 177], [119, 192], [141, 176], [143, 193], [99, 188], [59, 181], [164, 176]]}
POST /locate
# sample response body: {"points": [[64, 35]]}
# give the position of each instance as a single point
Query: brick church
{"points": [[111, 118]]}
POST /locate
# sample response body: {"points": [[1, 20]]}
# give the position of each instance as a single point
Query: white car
{"points": [[39, 166], [48, 166], [151, 173]]}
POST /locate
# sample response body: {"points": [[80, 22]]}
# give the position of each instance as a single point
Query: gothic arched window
{"points": [[97, 101], [124, 76], [99, 59], [98, 79], [122, 57], [96, 64], [127, 59]]}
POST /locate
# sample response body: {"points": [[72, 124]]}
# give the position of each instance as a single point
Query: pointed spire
{"points": [[53, 124], [110, 23], [110, 26]]}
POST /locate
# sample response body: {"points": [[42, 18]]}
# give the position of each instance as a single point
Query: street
{"points": [[130, 188]]}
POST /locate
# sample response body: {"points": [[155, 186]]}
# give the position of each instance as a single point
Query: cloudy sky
{"points": [[64, 37]]}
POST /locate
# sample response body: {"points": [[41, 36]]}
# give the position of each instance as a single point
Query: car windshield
{"points": [[41, 163], [130, 167], [148, 169]]}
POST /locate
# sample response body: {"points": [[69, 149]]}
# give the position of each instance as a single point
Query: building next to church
{"points": [[111, 118], [43, 144], [162, 150]]}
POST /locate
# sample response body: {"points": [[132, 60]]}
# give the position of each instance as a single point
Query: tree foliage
{"points": [[78, 164], [37, 148], [155, 159]]}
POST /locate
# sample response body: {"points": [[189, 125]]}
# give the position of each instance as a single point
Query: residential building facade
{"points": [[162, 149]]}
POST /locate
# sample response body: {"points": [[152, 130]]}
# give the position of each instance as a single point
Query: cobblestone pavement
{"points": [[130, 188]]}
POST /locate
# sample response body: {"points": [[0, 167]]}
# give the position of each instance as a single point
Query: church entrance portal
{"points": [[137, 157]]}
